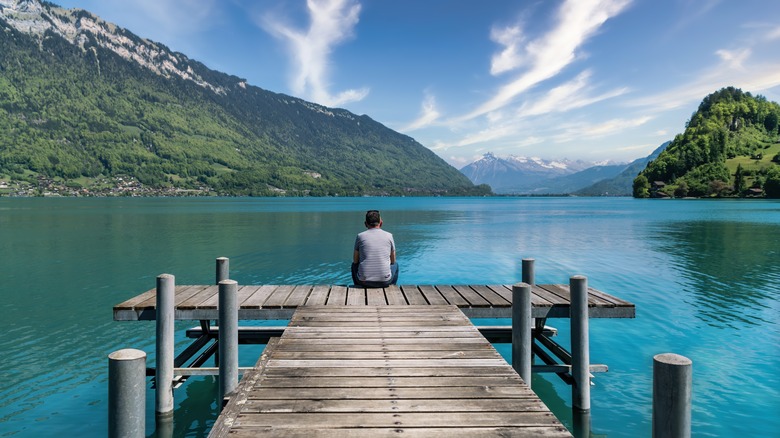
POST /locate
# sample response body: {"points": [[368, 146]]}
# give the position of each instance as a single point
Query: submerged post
{"points": [[228, 338], [522, 323], [672, 377], [166, 286], [127, 393], [223, 269], [580, 348], [529, 276]]}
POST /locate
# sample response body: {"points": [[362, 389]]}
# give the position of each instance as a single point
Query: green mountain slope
{"points": [[621, 184], [77, 112], [729, 148]]}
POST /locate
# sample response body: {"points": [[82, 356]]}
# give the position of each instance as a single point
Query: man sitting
{"points": [[373, 261]]}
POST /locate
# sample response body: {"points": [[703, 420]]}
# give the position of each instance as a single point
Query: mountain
{"points": [[519, 175], [85, 104], [620, 185], [730, 147]]}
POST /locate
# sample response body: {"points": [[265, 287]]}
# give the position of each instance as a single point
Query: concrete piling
{"points": [[672, 381], [228, 338], [127, 393], [166, 285], [580, 348], [522, 323]]}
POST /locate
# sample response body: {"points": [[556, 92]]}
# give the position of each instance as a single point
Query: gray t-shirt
{"points": [[374, 246]]}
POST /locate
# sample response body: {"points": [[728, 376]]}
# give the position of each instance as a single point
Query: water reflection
{"points": [[729, 269]]}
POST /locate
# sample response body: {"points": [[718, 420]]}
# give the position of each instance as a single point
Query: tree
{"points": [[770, 122], [641, 187], [682, 190], [739, 180], [772, 183]]}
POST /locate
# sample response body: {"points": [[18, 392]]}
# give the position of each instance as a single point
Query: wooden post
{"points": [[580, 349], [228, 338], [522, 323], [672, 377], [127, 393], [166, 285], [529, 276], [223, 269]]}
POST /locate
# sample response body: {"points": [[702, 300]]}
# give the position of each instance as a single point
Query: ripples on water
{"points": [[704, 276]]}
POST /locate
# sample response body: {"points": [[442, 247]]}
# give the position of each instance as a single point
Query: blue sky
{"points": [[578, 79]]}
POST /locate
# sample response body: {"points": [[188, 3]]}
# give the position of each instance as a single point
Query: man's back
{"points": [[374, 246]]}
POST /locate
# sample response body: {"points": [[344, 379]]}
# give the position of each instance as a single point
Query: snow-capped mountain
{"points": [[516, 174]]}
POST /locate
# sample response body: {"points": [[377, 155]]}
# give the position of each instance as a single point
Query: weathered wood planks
{"points": [[280, 301], [359, 371]]}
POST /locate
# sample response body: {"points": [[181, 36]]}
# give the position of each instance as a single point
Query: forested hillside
{"points": [[81, 115], [730, 147]]}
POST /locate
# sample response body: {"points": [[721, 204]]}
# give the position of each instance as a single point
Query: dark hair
{"points": [[373, 218]]}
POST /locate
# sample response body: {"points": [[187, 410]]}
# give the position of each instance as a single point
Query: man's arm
{"points": [[392, 256], [356, 256]]}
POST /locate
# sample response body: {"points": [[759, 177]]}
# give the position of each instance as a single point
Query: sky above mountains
{"points": [[578, 79]]}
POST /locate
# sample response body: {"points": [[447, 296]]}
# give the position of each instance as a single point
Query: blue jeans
{"points": [[393, 277]]}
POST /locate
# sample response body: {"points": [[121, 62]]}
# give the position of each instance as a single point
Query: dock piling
{"points": [[529, 274], [522, 322], [672, 377], [223, 269], [228, 338], [166, 286], [580, 349], [127, 393]]}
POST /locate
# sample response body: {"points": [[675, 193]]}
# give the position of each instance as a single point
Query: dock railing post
{"points": [[166, 286], [672, 378], [223, 269], [228, 338], [127, 393], [580, 349], [528, 272], [522, 324]]}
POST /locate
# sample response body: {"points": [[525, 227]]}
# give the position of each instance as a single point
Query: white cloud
{"points": [[331, 22], [571, 95], [509, 58], [734, 59], [428, 114], [547, 56], [583, 131]]}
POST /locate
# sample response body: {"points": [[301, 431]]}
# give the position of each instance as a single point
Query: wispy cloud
{"points": [[331, 22], [548, 55], [734, 69], [571, 95], [428, 114], [580, 131]]}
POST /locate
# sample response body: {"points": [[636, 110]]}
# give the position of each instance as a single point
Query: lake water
{"points": [[705, 276]]}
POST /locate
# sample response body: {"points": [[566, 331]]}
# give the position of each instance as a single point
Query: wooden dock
{"points": [[370, 370], [280, 301]]}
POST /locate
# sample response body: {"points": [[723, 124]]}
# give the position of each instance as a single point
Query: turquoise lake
{"points": [[704, 275]]}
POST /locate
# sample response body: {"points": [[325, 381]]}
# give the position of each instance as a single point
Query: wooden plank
{"points": [[451, 295], [555, 300], [318, 295], [136, 300], [474, 299], [257, 299], [376, 297], [536, 300], [244, 292], [406, 432], [491, 296], [311, 420], [278, 296], [531, 404], [413, 295], [432, 295], [338, 296], [395, 296], [356, 296], [298, 296]]}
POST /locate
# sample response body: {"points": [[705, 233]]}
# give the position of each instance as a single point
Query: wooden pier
{"points": [[281, 301], [357, 361], [377, 371]]}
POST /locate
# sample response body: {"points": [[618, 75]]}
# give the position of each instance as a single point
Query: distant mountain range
{"points": [[536, 176], [85, 103]]}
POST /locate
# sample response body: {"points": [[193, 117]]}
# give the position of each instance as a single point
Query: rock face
{"points": [[78, 26]]}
